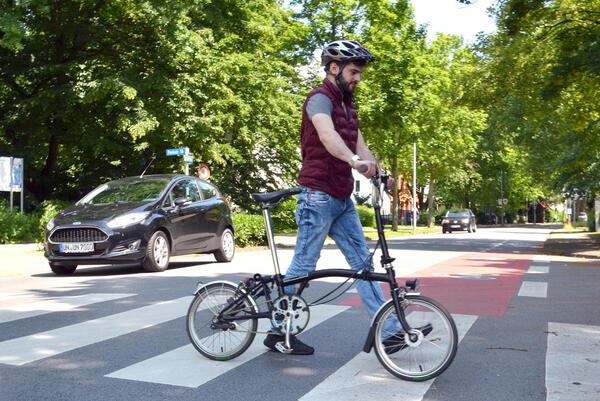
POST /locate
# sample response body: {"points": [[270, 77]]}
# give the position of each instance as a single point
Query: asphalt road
{"points": [[529, 327]]}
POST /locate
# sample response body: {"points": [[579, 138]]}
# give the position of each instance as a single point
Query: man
{"points": [[331, 145]]}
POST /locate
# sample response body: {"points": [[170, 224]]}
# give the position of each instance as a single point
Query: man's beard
{"points": [[346, 86]]}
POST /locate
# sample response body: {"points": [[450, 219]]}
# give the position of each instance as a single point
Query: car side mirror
{"points": [[180, 202]]}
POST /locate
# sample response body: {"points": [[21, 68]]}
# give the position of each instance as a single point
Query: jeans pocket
{"points": [[317, 197]]}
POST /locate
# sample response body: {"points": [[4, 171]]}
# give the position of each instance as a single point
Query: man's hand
{"points": [[370, 167]]}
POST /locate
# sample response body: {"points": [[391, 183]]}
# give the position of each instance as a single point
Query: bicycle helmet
{"points": [[345, 51]]}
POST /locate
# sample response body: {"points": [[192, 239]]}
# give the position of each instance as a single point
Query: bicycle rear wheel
{"points": [[216, 339], [428, 351]]}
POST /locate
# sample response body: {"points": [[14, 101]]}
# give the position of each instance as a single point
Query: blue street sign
{"points": [[177, 151], [188, 158]]}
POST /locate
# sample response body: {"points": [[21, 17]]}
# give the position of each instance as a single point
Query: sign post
{"points": [[187, 158], [11, 177]]}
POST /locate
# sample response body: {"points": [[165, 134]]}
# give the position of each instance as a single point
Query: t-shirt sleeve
{"points": [[318, 103]]}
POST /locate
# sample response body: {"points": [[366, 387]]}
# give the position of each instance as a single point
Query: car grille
{"points": [[79, 234]]}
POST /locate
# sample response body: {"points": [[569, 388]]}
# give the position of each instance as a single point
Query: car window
{"points": [[186, 189], [457, 214], [208, 191], [142, 190], [168, 201]]}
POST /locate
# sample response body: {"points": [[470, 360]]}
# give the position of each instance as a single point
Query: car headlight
{"points": [[127, 219], [50, 225]]}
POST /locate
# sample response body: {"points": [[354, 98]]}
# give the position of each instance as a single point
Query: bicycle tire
{"points": [[218, 343], [435, 343]]}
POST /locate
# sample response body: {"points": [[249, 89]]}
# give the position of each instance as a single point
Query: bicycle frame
{"points": [[397, 292]]}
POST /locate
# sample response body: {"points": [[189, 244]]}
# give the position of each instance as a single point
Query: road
{"points": [[529, 327]]}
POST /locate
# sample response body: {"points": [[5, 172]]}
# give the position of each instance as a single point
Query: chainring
{"points": [[290, 307]]}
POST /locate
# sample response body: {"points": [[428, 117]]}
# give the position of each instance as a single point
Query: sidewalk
{"points": [[578, 244]]}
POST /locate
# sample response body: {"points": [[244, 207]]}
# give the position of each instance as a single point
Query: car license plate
{"points": [[455, 226], [77, 247]]}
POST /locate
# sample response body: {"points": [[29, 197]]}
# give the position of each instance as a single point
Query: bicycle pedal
{"points": [[280, 346]]}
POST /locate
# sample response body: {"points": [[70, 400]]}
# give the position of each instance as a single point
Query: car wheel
{"points": [[62, 270], [227, 247], [157, 253]]}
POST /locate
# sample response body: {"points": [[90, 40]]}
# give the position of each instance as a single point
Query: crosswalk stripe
{"points": [[22, 350], [572, 364], [535, 269], [185, 367], [533, 289], [364, 378], [30, 309]]}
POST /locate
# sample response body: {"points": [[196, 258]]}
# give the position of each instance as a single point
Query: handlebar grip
{"points": [[363, 168]]}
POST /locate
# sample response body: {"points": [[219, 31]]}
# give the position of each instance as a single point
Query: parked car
{"points": [[582, 216], [141, 220], [459, 220]]}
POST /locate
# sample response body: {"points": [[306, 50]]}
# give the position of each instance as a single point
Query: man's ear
{"points": [[334, 67]]}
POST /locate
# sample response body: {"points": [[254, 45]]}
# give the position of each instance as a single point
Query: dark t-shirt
{"points": [[320, 103]]}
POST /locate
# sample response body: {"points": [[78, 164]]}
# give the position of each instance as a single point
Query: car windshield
{"points": [[143, 190], [457, 214]]}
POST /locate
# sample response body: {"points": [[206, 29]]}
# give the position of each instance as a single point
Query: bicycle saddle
{"points": [[273, 198]]}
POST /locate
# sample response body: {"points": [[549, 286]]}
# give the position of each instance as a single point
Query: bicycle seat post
{"points": [[271, 239]]}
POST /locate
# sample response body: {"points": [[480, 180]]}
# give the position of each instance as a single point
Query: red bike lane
{"points": [[481, 284]]}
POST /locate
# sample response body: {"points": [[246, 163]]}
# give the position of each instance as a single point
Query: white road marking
{"points": [[30, 309], [20, 351], [534, 269], [186, 367], [364, 378], [572, 362], [534, 289]]}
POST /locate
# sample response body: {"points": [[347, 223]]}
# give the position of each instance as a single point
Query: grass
{"points": [[408, 231]]}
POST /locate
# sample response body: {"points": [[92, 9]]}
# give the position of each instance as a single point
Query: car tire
{"points": [[157, 253], [62, 270], [226, 247]]}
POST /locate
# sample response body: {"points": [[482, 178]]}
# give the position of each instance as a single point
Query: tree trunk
{"points": [[430, 198]]}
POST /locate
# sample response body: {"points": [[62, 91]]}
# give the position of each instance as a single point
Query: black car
{"points": [[459, 220], [141, 220]]}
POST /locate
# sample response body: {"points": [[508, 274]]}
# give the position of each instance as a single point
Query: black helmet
{"points": [[345, 51]]}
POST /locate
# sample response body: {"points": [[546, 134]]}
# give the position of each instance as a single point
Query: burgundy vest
{"points": [[320, 170]]}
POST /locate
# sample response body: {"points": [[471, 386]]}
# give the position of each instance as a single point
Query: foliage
{"points": [[49, 209], [366, 216], [89, 91], [18, 227], [283, 217], [249, 230]]}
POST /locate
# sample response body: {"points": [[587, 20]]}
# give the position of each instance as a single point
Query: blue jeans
{"points": [[318, 215]]}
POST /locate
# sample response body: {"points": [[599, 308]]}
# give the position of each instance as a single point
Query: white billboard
{"points": [[11, 174]]}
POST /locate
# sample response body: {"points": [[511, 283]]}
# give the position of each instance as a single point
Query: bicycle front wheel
{"points": [[213, 337], [430, 347]]}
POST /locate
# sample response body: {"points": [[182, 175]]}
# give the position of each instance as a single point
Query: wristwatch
{"points": [[354, 159]]}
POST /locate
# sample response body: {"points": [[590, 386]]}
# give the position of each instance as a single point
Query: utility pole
{"points": [[414, 197]]}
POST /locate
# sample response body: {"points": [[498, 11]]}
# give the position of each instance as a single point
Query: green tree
{"points": [[89, 91]]}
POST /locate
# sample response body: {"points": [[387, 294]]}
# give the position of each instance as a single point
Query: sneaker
{"points": [[396, 342], [277, 343]]}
